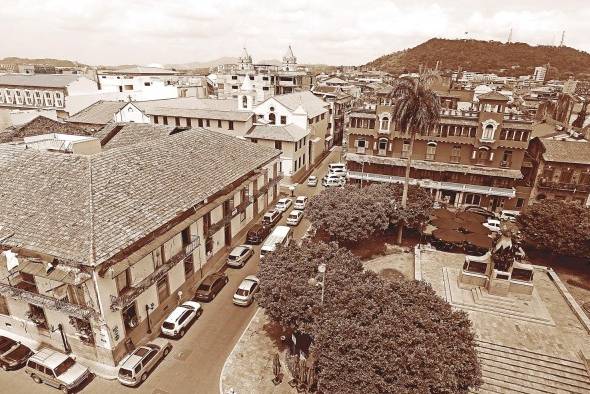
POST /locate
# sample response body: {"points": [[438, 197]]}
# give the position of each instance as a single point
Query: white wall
{"points": [[130, 113]]}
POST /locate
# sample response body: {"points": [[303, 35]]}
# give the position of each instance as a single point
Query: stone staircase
{"points": [[478, 299], [507, 369]]}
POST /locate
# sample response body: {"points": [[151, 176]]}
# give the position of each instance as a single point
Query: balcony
{"points": [[564, 186], [131, 293], [43, 301]]}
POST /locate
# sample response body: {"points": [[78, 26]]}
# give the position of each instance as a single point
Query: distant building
{"points": [[539, 73], [95, 116], [46, 91], [560, 169], [340, 104], [267, 79]]}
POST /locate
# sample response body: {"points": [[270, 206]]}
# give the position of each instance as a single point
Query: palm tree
{"points": [[416, 109]]}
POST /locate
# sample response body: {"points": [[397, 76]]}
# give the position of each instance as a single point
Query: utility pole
{"points": [[509, 37], [562, 38]]}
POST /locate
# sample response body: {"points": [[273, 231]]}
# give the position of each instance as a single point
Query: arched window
{"points": [[272, 118], [430, 150], [488, 133], [383, 142], [483, 154], [244, 101], [385, 123]]}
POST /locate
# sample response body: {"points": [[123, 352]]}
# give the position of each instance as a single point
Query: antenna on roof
{"points": [[562, 38]]}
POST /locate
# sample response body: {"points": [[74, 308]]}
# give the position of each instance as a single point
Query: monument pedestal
{"points": [[499, 283]]}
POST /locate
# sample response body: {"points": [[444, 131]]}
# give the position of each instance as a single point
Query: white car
{"points": [[332, 180], [300, 203], [239, 256], [177, 322], [312, 181], [294, 217], [244, 296], [493, 225], [509, 215], [283, 204]]}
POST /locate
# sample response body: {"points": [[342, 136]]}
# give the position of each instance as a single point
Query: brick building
{"points": [[473, 157]]}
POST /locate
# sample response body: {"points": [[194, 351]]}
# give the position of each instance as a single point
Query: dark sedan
{"points": [[210, 286], [13, 354]]}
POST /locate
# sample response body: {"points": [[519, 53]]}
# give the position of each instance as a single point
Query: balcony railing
{"points": [[44, 301], [566, 186], [129, 295]]}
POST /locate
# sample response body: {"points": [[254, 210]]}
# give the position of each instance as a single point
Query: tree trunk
{"points": [[400, 225]]}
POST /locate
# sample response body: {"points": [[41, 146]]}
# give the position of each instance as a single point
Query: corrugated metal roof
{"points": [[99, 113]]}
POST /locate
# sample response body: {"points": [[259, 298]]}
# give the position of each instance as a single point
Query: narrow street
{"points": [[196, 361]]}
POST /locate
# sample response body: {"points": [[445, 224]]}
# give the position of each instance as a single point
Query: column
{"points": [[438, 195], [459, 199]]}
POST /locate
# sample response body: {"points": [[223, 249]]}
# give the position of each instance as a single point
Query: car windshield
{"points": [[124, 372], [64, 366], [232, 256], [168, 325], [293, 216], [242, 292], [204, 287], [6, 344]]}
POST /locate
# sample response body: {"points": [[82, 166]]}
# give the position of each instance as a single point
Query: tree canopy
{"points": [[557, 226], [353, 214], [370, 335]]}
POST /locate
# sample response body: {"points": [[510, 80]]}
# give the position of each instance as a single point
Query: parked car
{"points": [[136, 367], [181, 317], [332, 180], [283, 204], [244, 295], [333, 167], [339, 172], [294, 217], [257, 234], [300, 203], [210, 286], [509, 215], [481, 211], [493, 225], [272, 217], [13, 354], [56, 369], [312, 181], [239, 256]]}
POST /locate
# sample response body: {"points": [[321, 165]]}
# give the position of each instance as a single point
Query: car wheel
{"points": [[5, 367], [144, 377], [226, 279], [181, 333], [36, 379], [166, 351], [199, 313], [64, 389], [213, 295]]}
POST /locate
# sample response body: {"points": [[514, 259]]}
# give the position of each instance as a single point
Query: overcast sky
{"points": [[320, 31]]}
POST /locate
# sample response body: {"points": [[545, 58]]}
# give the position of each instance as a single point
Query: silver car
{"points": [[239, 256], [244, 296], [137, 366], [56, 369]]}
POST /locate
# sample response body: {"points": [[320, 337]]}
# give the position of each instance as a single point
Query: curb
{"points": [[233, 349]]}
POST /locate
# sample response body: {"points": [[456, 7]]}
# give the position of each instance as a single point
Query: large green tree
{"points": [[557, 226], [353, 214], [416, 109], [369, 335]]}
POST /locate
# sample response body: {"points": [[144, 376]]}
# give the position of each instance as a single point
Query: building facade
{"points": [[97, 266], [470, 158]]}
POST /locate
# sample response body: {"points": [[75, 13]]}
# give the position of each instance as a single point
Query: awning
{"points": [[435, 166], [59, 273]]}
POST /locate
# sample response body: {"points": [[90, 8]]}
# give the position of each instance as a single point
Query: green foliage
{"points": [[556, 226], [370, 335], [486, 56], [352, 214]]}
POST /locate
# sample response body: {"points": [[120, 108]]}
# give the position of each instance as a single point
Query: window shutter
{"points": [[491, 156], [474, 154], [375, 145], [391, 146]]}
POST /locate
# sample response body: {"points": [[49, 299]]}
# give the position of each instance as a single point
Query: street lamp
{"points": [[148, 308], [320, 283]]}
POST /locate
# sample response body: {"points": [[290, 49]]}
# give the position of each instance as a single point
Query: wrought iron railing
{"points": [[126, 298], [44, 301]]}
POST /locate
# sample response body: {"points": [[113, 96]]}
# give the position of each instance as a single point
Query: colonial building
{"points": [[340, 104], [43, 91], [267, 79], [99, 247], [470, 158], [95, 116], [560, 169]]}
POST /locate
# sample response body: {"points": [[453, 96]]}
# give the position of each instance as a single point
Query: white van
{"points": [[281, 235], [332, 180], [336, 166]]}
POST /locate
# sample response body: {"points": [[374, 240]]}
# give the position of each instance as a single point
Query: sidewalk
{"points": [[249, 367]]}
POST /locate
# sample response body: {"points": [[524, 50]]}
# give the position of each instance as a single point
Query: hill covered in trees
{"points": [[486, 56], [48, 61]]}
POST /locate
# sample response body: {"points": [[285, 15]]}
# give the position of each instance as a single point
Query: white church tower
{"points": [[289, 60], [246, 95], [245, 61]]}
